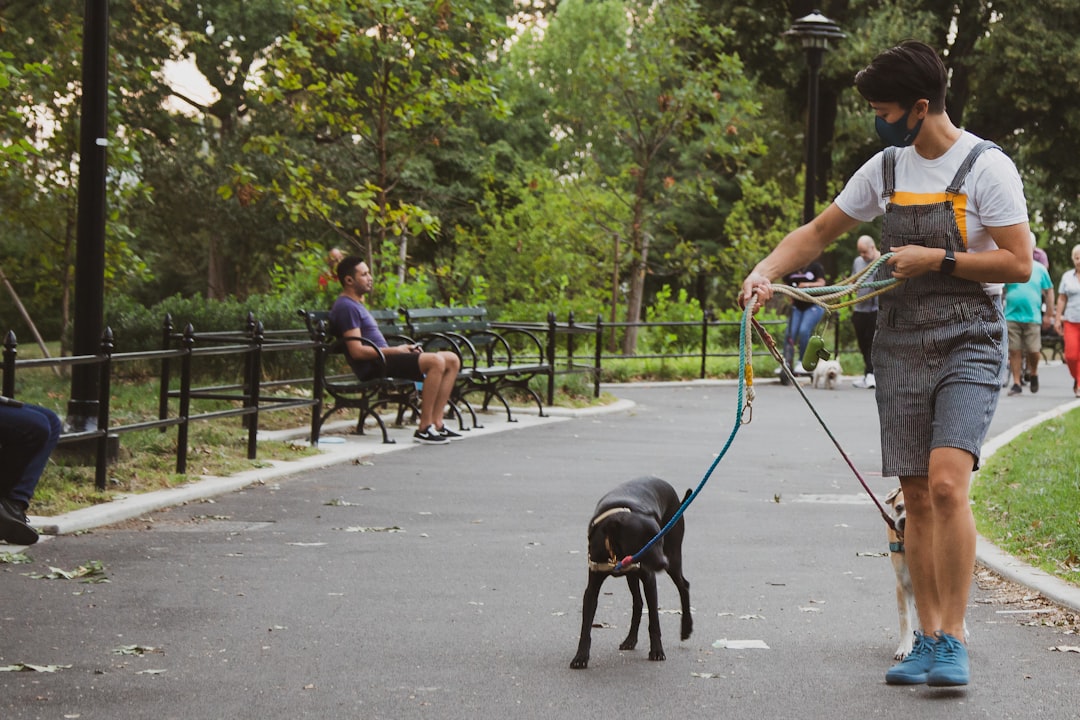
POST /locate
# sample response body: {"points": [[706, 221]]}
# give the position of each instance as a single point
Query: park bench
{"points": [[494, 362], [334, 377]]}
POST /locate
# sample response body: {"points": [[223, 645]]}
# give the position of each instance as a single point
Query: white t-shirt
{"points": [[991, 196], [1069, 288]]}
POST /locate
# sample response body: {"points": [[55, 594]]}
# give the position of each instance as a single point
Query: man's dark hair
{"points": [[905, 74], [347, 267]]}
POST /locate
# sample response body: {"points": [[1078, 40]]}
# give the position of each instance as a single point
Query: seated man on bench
{"points": [[438, 370]]}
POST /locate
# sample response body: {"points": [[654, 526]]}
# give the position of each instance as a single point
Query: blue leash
{"points": [[745, 367], [742, 417]]}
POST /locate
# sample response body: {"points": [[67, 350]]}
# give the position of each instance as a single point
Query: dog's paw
{"points": [[579, 662], [687, 627], [902, 651], [657, 654], [628, 644]]}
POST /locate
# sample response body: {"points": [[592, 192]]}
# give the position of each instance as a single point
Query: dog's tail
{"points": [[688, 494]]}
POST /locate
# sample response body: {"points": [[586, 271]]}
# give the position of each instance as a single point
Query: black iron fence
{"points": [[254, 394]]}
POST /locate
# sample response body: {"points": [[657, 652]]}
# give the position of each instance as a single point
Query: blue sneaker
{"points": [[951, 666], [914, 669]]}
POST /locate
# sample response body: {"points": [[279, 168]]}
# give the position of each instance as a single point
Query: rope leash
{"points": [[819, 296]]}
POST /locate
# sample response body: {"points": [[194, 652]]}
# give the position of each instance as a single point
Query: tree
{"points": [[373, 84], [642, 98]]}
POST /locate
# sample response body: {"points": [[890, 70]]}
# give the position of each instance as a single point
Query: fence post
{"points": [[599, 353], [105, 389], [185, 400], [163, 393], [252, 398], [317, 389], [249, 377], [570, 341], [11, 350], [706, 315], [551, 358]]}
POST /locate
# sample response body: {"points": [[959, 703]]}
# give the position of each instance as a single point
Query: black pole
{"points": [[814, 58], [90, 228]]}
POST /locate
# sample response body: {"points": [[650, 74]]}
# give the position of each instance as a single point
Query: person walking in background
{"points": [[939, 346], [804, 316], [1067, 317], [28, 435], [864, 314], [1025, 320]]}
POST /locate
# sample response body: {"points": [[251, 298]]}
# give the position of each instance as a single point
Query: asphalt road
{"points": [[446, 583]]}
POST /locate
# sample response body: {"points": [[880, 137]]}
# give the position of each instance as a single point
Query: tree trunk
{"points": [[216, 283], [638, 263]]}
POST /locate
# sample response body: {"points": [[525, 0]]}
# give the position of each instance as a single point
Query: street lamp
{"points": [[813, 32]]}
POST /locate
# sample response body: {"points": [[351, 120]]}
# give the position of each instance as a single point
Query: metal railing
{"points": [[253, 395], [249, 345]]}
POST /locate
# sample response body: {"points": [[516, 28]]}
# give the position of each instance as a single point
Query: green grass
{"points": [[1026, 498]]}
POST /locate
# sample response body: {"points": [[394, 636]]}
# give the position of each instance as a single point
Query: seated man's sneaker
{"points": [[951, 667], [429, 436], [14, 527], [448, 433], [913, 669]]}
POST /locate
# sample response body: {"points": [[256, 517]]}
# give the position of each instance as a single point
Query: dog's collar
{"points": [[897, 547], [609, 566], [608, 513]]}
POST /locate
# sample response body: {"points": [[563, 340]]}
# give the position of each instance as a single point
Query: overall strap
{"points": [[965, 167], [888, 172]]}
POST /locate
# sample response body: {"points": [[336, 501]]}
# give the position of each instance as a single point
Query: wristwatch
{"points": [[948, 263]]}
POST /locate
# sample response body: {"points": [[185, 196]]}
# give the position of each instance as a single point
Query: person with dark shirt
{"points": [[804, 315], [349, 318]]}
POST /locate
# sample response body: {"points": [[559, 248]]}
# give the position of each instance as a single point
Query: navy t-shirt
{"points": [[810, 273]]}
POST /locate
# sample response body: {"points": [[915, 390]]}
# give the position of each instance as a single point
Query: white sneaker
{"points": [[870, 381], [859, 382]]}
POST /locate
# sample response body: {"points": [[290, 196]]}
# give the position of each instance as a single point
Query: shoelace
{"points": [[947, 648]]}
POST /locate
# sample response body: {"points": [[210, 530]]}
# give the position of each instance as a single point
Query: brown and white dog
{"points": [[905, 596], [827, 374]]}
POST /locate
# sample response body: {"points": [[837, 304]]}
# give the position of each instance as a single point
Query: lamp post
{"points": [[813, 32]]}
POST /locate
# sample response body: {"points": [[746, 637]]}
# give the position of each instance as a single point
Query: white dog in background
{"points": [[827, 374]]}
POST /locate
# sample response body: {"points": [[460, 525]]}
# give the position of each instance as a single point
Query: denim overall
{"points": [[940, 346]]}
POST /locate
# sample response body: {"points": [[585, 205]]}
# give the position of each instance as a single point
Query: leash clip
{"points": [[747, 414]]}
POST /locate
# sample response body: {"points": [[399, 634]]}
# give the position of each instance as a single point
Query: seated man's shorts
{"points": [[405, 366]]}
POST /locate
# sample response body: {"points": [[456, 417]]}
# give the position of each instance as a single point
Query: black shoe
{"points": [[429, 436], [14, 527], [448, 434], [1015, 389], [1034, 382]]}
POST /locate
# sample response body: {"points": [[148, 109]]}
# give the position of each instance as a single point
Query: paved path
{"points": [[446, 583]]}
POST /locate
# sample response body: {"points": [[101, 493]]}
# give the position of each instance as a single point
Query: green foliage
{"points": [[668, 340], [1026, 498]]}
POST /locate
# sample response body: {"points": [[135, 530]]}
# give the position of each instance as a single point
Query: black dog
{"points": [[626, 519]]}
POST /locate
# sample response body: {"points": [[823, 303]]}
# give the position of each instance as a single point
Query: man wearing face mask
{"points": [[955, 219]]}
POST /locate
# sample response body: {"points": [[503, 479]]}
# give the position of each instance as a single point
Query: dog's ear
{"points": [[892, 494]]}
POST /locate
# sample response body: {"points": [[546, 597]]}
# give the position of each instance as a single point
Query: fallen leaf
{"points": [[134, 650], [1066, 648], [150, 672], [707, 675], [27, 667], [358, 529]]}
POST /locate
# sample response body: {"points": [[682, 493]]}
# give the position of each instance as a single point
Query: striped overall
{"points": [[940, 344]]}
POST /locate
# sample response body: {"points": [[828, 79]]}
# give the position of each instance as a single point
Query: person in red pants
{"points": [[1067, 317]]}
